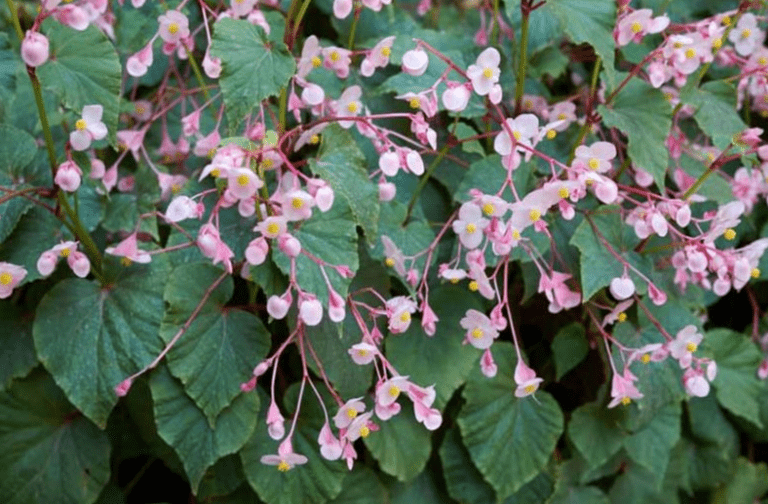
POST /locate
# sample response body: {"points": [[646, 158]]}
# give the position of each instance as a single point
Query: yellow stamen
{"points": [[389, 262], [561, 116], [386, 51], [242, 180], [173, 28], [636, 27], [297, 203], [394, 391], [473, 286], [534, 215], [477, 333], [593, 163], [273, 228], [488, 209], [140, 110], [690, 53], [517, 135], [563, 192], [745, 33], [126, 261], [414, 103], [283, 466], [362, 352], [755, 273], [487, 73], [726, 20], [364, 431], [212, 152], [64, 252], [729, 234], [717, 43], [80, 125], [314, 139], [6, 278], [316, 62], [621, 317], [175, 188], [335, 56], [645, 359], [215, 172], [471, 228], [551, 134], [516, 234], [529, 389], [351, 413], [625, 401], [267, 163], [762, 61], [352, 107], [405, 317], [691, 347]]}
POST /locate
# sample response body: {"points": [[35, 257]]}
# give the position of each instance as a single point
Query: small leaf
{"points": [[342, 164], [497, 426], [83, 69], [595, 432], [651, 446], [254, 67], [715, 104], [91, 338], [221, 345], [749, 483], [17, 349], [569, 348], [50, 452], [646, 127], [17, 150], [185, 428], [361, 486]]}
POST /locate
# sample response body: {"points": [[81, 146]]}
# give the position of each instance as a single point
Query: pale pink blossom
{"points": [[484, 73], [34, 48], [388, 391], [138, 64], [470, 225], [415, 62], [695, 383], [487, 364], [359, 427], [330, 446], [211, 65], [524, 128], [526, 380], [428, 319], [257, 250], [685, 343], [88, 128], [342, 8], [183, 207], [286, 459], [310, 311], [456, 97], [596, 157], [213, 247], [174, 26], [277, 306], [338, 60], [633, 27], [128, 248], [622, 287], [363, 353], [746, 36], [480, 331], [68, 176], [399, 310], [348, 105], [623, 390], [10, 276], [243, 182], [560, 296], [378, 57]]}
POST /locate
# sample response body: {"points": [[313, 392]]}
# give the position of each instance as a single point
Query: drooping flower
{"points": [[286, 459], [10, 276], [526, 380], [623, 390], [174, 26], [128, 249]]}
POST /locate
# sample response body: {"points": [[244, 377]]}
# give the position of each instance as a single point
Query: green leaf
{"points": [[569, 348], [220, 347], [253, 66], [342, 165], [497, 426], [749, 483], [17, 349], [579, 495], [50, 452], [638, 485], [410, 239], [331, 237], [361, 486], [595, 432], [91, 338], [464, 481], [598, 265], [37, 231], [737, 386], [401, 446], [646, 127], [715, 187], [317, 481], [184, 427], [17, 150], [83, 69], [651, 446], [422, 489], [591, 22], [715, 104], [442, 359], [222, 478]]}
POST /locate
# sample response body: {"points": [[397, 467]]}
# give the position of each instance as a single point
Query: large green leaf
{"points": [[50, 452], [410, 239], [716, 115], [91, 338], [442, 360], [17, 349], [361, 486], [595, 432], [83, 69], [737, 387], [402, 445], [749, 483], [253, 66], [17, 150], [569, 348], [651, 445], [184, 427], [498, 427], [37, 231], [221, 345], [331, 237], [317, 481], [589, 21], [646, 127], [342, 164]]}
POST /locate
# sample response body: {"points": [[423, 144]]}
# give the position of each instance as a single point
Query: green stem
{"points": [[82, 235], [520, 87], [353, 29], [592, 98], [283, 109], [299, 17], [15, 19], [717, 163], [200, 81], [423, 181], [494, 22]]}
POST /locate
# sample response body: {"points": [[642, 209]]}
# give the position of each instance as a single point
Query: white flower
{"points": [[89, 127], [470, 225], [485, 72]]}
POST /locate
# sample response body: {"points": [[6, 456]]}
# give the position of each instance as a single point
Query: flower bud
{"points": [[311, 311], [34, 49], [277, 307], [68, 176], [415, 62]]}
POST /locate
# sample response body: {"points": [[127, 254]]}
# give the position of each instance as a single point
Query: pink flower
{"points": [[342, 8], [338, 60], [415, 62], [363, 353], [174, 26], [128, 248], [330, 446], [88, 128], [378, 57], [212, 247], [557, 292], [746, 36], [211, 65], [68, 176], [348, 412], [623, 389], [138, 64], [484, 74], [277, 306], [170, 184], [310, 57], [243, 182], [183, 207], [275, 421], [359, 427], [206, 146], [285, 460], [685, 343], [10, 276], [430, 417], [399, 310], [310, 311], [487, 365], [596, 157], [336, 306], [524, 129], [470, 225], [695, 383], [348, 105], [428, 319], [297, 205], [622, 287], [526, 380], [34, 48], [480, 330], [634, 26], [424, 100], [388, 391]]}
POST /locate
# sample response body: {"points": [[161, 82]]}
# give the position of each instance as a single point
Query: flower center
{"points": [[140, 110], [621, 317], [625, 401], [414, 103], [717, 43], [405, 317], [473, 285], [175, 188], [386, 51], [64, 252], [563, 192], [362, 353], [488, 209], [745, 33], [335, 56], [645, 359], [273, 228], [316, 62], [593, 163], [517, 135], [691, 347], [471, 228], [690, 53], [729, 234], [530, 389], [561, 116], [351, 413], [755, 273], [80, 125], [6, 278], [477, 333], [267, 163], [212, 152], [364, 431], [173, 28], [389, 262], [126, 261], [394, 391], [216, 172], [551, 134], [297, 203], [314, 139], [242, 180], [516, 234], [636, 27], [762, 61], [283, 466], [352, 107], [726, 20], [487, 73], [534, 215]]}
